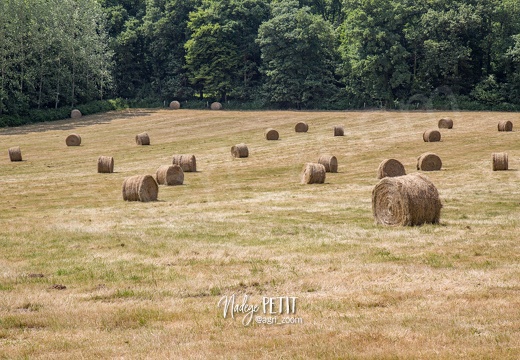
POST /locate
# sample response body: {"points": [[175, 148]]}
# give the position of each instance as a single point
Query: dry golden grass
{"points": [[143, 280]]}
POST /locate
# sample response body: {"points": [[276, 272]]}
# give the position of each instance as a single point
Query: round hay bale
{"points": [[432, 136], [74, 114], [330, 162], [313, 173], [216, 106], [500, 161], [406, 200], [169, 175], [73, 140], [429, 162], [390, 168], [140, 188], [142, 139], [239, 151], [105, 164], [338, 131], [175, 105], [271, 134], [15, 154], [505, 125], [301, 127], [445, 123], [188, 163]]}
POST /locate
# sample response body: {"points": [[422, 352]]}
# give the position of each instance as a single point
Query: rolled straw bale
{"points": [[338, 131], [105, 164], [216, 106], [313, 173], [175, 105], [432, 136], [500, 161], [142, 139], [390, 168], [330, 162], [15, 154], [74, 114], [240, 151], [429, 162], [445, 123], [169, 175], [188, 163], [73, 140], [406, 200], [301, 127], [140, 188], [505, 125], [271, 134]]}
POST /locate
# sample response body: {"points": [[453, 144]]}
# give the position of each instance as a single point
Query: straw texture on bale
{"points": [[175, 105], [216, 106], [271, 134], [500, 161], [73, 140], [188, 163], [142, 139], [338, 131], [15, 154], [330, 162], [301, 127], [390, 168], [74, 114], [432, 136], [505, 125], [429, 162], [169, 175], [239, 151], [406, 200], [140, 188], [445, 123], [105, 164], [313, 173]]}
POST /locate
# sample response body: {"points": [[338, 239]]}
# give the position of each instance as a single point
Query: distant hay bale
{"points": [[301, 127], [216, 106], [500, 161], [142, 139], [140, 188], [271, 134], [105, 164], [505, 125], [406, 200], [330, 162], [15, 154], [390, 168], [73, 140], [175, 105], [338, 131], [74, 114], [169, 175], [239, 151], [313, 173], [188, 163], [432, 136], [445, 123], [429, 162]]}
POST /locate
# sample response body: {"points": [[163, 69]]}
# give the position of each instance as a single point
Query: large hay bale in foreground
{"points": [[301, 127], [75, 114], [73, 140], [445, 123], [500, 161], [505, 125], [216, 106], [175, 105], [239, 151], [271, 134], [406, 200], [390, 168], [313, 173], [429, 162], [330, 162], [15, 154], [169, 175], [338, 131], [105, 164], [140, 188], [188, 163], [142, 139], [432, 136]]}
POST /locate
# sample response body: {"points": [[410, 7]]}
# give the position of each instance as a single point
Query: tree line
{"points": [[286, 54]]}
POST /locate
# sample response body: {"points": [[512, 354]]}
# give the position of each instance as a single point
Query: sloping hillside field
{"points": [[243, 261]]}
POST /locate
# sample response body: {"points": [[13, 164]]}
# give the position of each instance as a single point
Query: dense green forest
{"points": [[326, 54]]}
